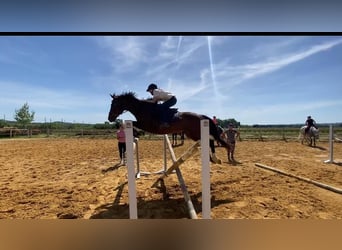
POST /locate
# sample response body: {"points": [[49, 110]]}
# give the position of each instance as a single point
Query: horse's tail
{"points": [[214, 133]]}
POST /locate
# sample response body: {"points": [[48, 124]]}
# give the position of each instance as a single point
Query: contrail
{"points": [[212, 67], [179, 44], [176, 59]]}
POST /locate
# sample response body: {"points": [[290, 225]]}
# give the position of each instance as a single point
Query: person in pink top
{"points": [[120, 135], [215, 120]]}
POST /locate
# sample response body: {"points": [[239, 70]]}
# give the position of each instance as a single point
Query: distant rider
{"points": [[309, 123]]}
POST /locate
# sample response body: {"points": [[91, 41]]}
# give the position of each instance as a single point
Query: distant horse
{"points": [[309, 137], [174, 138], [148, 119]]}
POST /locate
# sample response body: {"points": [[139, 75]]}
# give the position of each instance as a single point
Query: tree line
{"points": [[24, 118]]}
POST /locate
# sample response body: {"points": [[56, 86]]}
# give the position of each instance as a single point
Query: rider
{"points": [[165, 97], [309, 123]]}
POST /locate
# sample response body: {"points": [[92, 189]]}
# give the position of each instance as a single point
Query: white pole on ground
{"points": [[206, 206], [132, 195], [331, 145]]}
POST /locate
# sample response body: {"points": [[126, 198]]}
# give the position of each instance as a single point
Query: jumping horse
{"points": [[309, 137], [147, 115]]}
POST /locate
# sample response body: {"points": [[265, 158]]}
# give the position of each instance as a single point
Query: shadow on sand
{"points": [[320, 148], [164, 208], [112, 168]]}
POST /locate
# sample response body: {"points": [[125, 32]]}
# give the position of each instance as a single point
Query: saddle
{"points": [[170, 114]]}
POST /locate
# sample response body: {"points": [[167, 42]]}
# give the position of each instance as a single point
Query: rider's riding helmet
{"points": [[309, 117], [152, 86]]}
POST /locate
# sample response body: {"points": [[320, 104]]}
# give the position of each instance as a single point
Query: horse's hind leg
{"points": [[213, 157], [182, 138], [174, 139]]}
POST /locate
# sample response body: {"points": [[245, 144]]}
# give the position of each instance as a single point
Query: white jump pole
{"points": [[132, 195], [331, 145], [139, 173], [206, 206]]}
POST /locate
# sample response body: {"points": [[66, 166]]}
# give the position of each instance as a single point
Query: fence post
{"points": [[206, 199], [132, 193], [331, 145]]}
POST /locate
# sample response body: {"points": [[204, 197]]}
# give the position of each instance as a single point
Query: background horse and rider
{"points": [[148, 115], [310, 136]]}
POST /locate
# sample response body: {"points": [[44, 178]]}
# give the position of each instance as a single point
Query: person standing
{"points": [[215, 120], [121, 136], [230, 136]]}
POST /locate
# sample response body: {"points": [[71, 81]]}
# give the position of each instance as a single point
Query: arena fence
{"points": [[246, 133]]}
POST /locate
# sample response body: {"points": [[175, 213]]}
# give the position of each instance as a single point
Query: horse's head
{"points": [[116, 108], [125, 102]]}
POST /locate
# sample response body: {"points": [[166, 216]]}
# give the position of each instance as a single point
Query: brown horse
{"points": [[147, 115]]}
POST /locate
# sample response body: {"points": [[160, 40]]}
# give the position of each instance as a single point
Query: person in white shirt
{"points": [[167, 100]]}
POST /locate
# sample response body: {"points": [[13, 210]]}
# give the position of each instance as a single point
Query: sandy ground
{"points": [[80, 178]]}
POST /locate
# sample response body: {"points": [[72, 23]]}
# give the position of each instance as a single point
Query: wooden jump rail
{"points": [[175, 166], [176, 163], [319, 184]]}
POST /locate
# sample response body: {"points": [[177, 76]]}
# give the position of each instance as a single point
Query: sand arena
{"points": [[78, 178]]}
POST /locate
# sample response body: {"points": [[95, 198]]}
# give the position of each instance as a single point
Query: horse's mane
{"points": [[130, 95]]}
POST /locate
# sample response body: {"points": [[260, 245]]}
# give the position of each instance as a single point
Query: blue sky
{"points": [[254, 79]]}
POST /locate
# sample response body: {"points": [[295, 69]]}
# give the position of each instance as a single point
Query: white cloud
{"points": [[228, 75], [182, 54], [49, 102], [125, 52]]}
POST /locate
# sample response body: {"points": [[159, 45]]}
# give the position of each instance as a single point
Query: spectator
{"points": [[230, 136], [215, 120]]}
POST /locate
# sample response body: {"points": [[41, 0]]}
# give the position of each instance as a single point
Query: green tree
{"points": [[224, 123], [2, 123], [23, 115]]}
